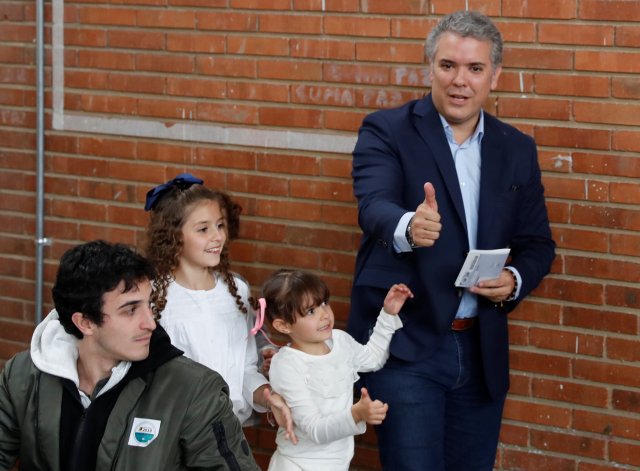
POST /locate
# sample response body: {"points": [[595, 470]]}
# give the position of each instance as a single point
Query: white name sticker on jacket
{"points": [[144, 431]]}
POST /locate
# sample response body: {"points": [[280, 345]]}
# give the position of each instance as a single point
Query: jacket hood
{"points": [[53, 350]]}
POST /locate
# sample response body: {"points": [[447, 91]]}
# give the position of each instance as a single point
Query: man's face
{"points": [[127, 326], [461, 78]]}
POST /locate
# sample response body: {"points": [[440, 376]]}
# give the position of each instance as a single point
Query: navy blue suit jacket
{"points": [[397, 152]]}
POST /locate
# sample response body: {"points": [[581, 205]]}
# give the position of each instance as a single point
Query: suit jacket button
{"points": [[459, 292]]}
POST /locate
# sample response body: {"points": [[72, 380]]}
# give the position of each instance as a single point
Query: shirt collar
{"points": [[477, 134]]}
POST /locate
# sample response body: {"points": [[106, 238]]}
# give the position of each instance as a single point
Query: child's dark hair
{"points": [[88, 271], [164, 237], [287, 292]]}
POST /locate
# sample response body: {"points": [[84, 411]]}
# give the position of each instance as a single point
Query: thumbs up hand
{"points": [[430, 197], [367, 410], [425, 225]]}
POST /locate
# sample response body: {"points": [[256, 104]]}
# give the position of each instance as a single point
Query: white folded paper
{"points": [[481, 265]]}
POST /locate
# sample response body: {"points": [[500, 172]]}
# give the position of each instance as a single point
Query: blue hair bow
{"points": [[182, 181]]}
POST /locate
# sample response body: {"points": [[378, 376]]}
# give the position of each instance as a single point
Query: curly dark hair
{"points": [[164, 238], [287, 291], [88, 271]]}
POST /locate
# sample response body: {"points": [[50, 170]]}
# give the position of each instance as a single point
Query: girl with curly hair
{"points": [[205, 308]]}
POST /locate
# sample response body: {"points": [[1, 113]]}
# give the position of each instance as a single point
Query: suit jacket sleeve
{"points": [[378, 179]]}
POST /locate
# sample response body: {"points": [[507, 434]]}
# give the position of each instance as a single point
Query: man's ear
{"points": [[83, 323], [495, 75], [282, 326]]}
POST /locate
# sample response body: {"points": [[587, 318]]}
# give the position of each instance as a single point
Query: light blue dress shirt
{"points": [[466, 157]]}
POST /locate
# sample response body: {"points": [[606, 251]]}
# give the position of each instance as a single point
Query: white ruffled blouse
{"points": [[208, 326]]}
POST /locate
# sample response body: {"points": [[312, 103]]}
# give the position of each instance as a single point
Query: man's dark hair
{"points": [[90, 270]]}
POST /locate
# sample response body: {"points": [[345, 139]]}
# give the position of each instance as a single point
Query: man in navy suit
{"points": [[434, 179]]}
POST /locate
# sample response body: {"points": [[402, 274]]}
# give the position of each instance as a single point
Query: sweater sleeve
{"points": [[373, 355], [288, 380], [253, 379]]}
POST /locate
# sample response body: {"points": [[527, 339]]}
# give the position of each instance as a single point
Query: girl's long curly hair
{"points": [[164, 238]]}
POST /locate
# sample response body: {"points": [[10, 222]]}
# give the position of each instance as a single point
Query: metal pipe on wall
{"points": [[40, 240]]}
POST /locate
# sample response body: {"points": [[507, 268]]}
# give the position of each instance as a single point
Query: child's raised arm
{"points": [[396, 297]]}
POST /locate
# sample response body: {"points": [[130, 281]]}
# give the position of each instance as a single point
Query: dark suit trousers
{"points": [[440, 414]]}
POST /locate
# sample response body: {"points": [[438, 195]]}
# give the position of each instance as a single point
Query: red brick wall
{"points": [[571, 79]]}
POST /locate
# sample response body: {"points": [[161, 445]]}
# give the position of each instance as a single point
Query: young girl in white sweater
{"points": [[315, 373], [204, 307]]}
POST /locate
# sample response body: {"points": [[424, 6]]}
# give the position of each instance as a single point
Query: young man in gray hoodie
{"points": [[103, 388]]}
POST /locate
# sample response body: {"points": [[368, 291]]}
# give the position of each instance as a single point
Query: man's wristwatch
{"points": [[408, 235], [512, 296]]}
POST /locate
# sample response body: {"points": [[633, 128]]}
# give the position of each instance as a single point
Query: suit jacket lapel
{"points": [[429, 126], [493, 172]]}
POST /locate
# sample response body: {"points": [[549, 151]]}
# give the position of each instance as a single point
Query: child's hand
{"points": [[267, 353], [281, 412], [396, 297], [372, 412]]}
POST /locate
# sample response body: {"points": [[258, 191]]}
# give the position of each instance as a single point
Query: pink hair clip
{"points": [[259, 317], [260, 322]]}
